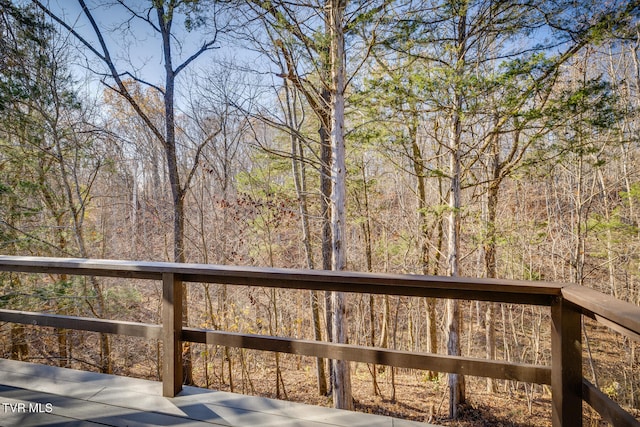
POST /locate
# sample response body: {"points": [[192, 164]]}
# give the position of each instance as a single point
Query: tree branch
{"points": [[205, 47]]}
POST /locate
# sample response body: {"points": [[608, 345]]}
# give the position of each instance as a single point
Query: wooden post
{"points": [[171, 335], [566, 364]]}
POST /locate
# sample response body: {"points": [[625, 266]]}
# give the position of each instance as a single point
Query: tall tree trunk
{"points": [[325, 210], [165, 20], [421, 192], [321, 107], [299, 179], [456, 381], [577, 257], [342, 376], [489, 249], [490, 272]]}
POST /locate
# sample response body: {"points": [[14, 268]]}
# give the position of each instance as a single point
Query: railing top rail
{"points": [[498, 290], [619, 315]]}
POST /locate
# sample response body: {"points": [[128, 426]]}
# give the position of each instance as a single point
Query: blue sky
{"points": [[133, 44]]}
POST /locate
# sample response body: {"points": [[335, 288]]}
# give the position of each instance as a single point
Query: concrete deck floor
{"points": [[39, 395]]}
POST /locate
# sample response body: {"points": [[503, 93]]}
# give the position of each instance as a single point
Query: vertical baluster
{"points": [[171, 334], [566, 364]]}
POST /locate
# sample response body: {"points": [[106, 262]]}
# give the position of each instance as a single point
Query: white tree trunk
{"points": [[456, 381], [342, 376]]}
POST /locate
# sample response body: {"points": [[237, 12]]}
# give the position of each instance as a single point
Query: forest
{"points": [[475, 138]]}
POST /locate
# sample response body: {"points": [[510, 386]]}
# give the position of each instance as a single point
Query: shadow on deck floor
{"points": [[39, 395]]}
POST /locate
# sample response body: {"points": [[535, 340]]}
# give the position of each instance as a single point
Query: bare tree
{"points": [[159, 17]]}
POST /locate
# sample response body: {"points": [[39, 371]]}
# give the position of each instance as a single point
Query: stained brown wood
{"points": [[118, 327], [80, 267], [594, 303], [568, 303], [434, 362], [498, 290], [613, 326], [172, 335], [609, 410], [566, 364]]}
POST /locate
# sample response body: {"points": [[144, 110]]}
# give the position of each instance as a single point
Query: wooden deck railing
{"points": [[568, 303]]}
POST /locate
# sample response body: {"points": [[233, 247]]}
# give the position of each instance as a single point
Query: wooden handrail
{"points": [[619, 315], [609, 410], [497, 290], [567, 302]]}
